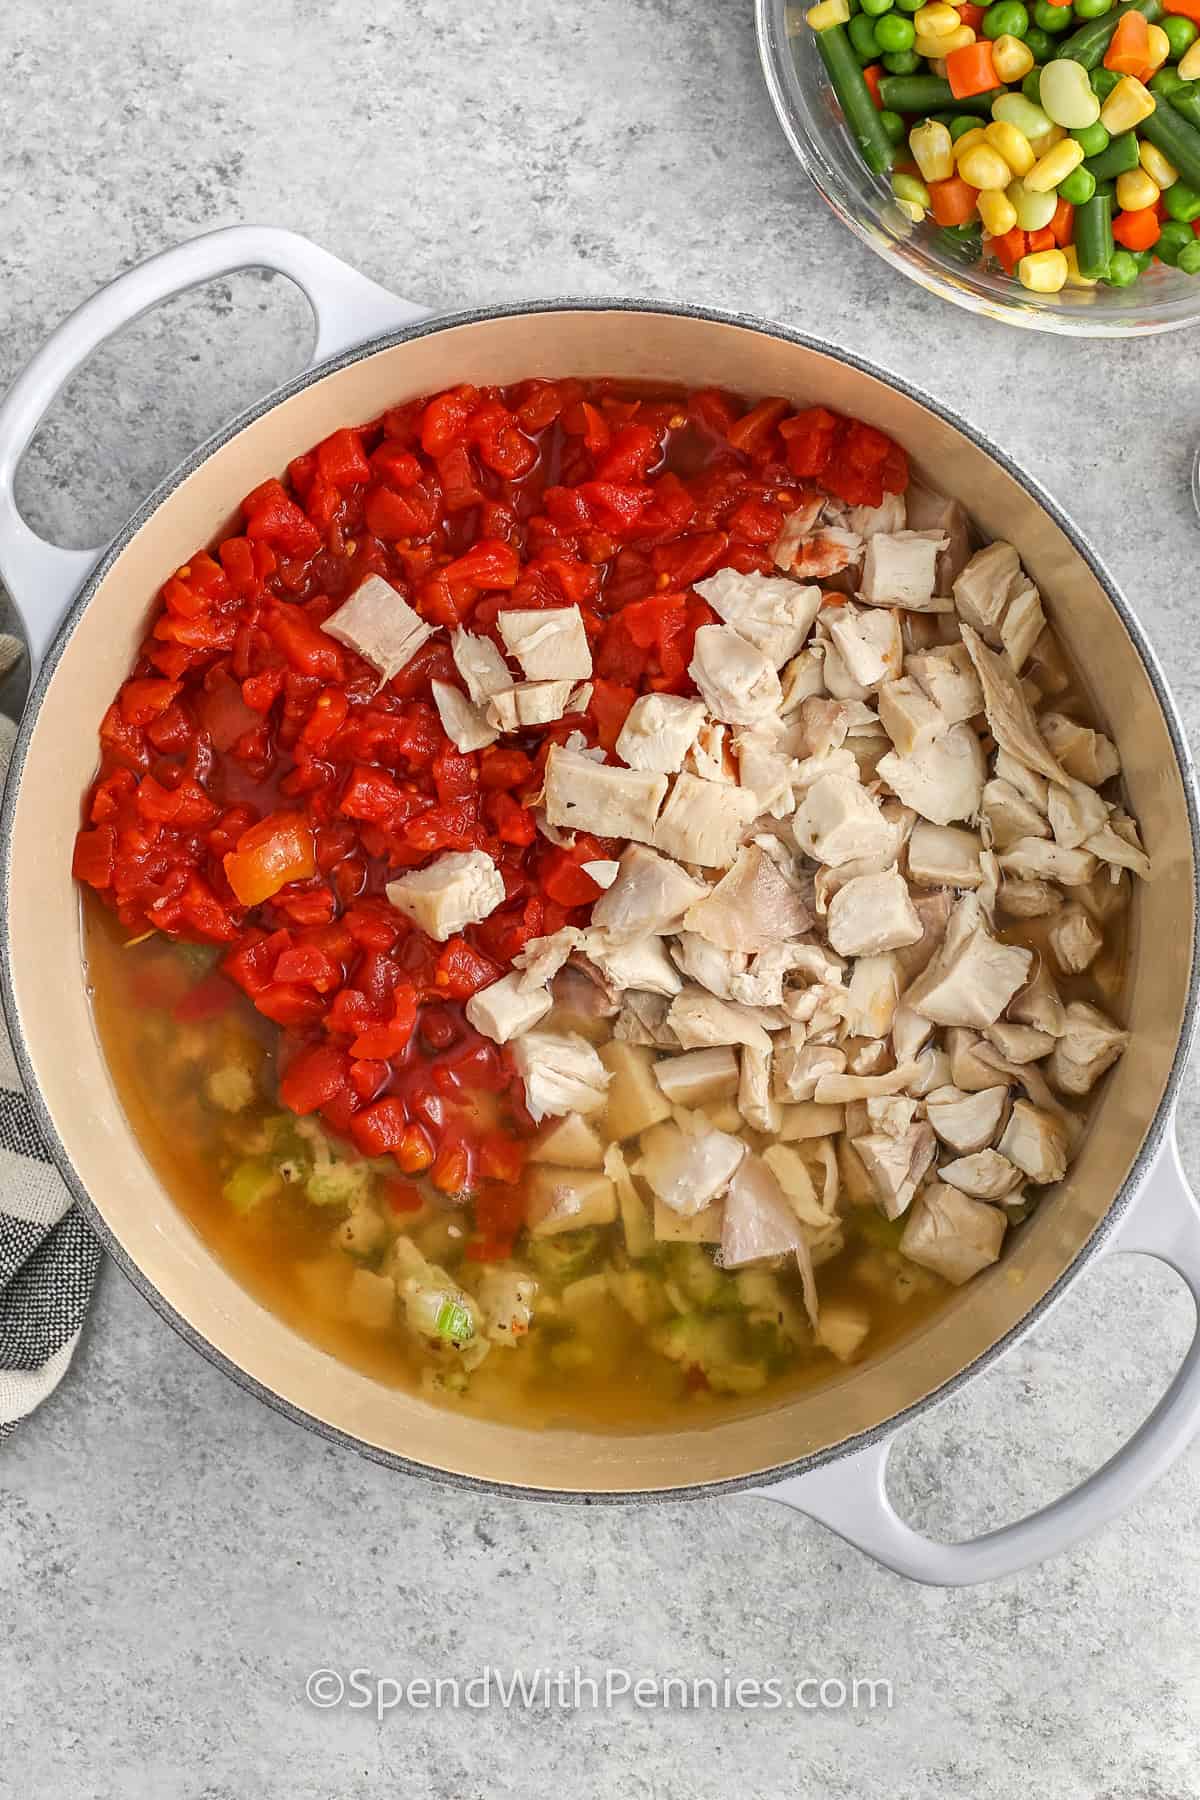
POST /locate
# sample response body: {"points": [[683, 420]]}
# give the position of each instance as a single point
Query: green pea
{"points": [[1182, 202], [1006, 18], [1031, 87], [1103, 82], [895, 32], [875, 8], [960, 125], [1092, 139], [1038, 43], [1189, 258], [943, 118], [1092, 9], [1078, 186], [1122, 271], [862, 36], [1175, 237], [1181, 34], [1165, 82], [910, 6], [1143, 259], [894, 127], [903, 62], [1054, 19]]}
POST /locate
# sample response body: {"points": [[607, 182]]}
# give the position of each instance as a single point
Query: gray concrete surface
{"points": [[174, 1558]]}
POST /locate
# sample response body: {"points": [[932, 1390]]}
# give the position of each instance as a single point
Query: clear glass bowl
{"points": [[1162, 300]]}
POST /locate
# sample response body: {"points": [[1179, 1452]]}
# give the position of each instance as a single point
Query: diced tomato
{"points": [[313, 1077]]}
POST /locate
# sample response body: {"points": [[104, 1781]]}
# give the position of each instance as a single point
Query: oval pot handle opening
{"points": [[850, 1496], [43, 578]]}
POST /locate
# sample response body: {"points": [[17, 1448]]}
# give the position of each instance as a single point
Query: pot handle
{"points": [[43, 578], [849, 1495]]}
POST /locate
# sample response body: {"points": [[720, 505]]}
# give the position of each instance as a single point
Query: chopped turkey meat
{"points": [[1085, 754], [773, 614], [896, 1164], [760, 1223], [1038, 859], [380, 625], [838, 822], [952, 1234], [703, 822], [1037, 1142], [506, 1009], [750, 908], [550, 643], [869, 643], [967, 1122], [528, 703], [463, 723], [973, 976], [985, 587], [640, 963], [562, 1073], [737, 682], [944, 781], [900, 568], [1074, 940], [481, 666], [650, 894], [930, 511], [943, 856], [1009, 714], [911, 719], [871, 914], [582, 795], [685, 1170], [453, 891], [658, 732], [948, 676], [1089, 1045], [700, 1020], [985, 1176]]}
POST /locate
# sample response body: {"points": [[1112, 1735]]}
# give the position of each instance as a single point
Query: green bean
{"points": [[1172, 239], [1093, 236], [1120, 157], [878, 151], [1189, 258], [1178, 141], [1186, 101], [1122, 270], [1088, 44], [927, 94]]}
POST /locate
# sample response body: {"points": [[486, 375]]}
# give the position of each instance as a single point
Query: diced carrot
{"points": [[1008, 249], [1137, 230], [1062, 225], [1040, 240], [1129, 51], [873, 75], [952, 201], [971, 70], [1186, 9]]}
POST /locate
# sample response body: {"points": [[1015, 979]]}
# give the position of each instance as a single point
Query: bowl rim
{"points": [[1157, 1127], [1025, 312]]}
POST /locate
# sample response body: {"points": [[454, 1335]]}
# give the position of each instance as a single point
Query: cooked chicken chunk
{"points": [[944, 781], [943, 856], [871, 914], [562, 1073], [1085, 754], [704, 821], [868, 641], [948, 676], [1038, 859], [973, 976], [750, 908], [658, 732], [549, 643], [985, 1176], [1009, 714], [650, 895], [900, 569], [985, 587], [640, 963], [1036, 1141], [699, 1020], [481, 666], [1089, 1045], [911, 719], [452, 891], [736, 680], [771, 613], [687, 1171], [952, 1234], [1074, 939], [506, 1009], [582, 795], [1076, 813], [930, 511], [967, 1122], [380, 625], [759, 1222], [462, 723], [896, 1165], [754, 1099], [839, 822], [528, 703], [1022, 626]]}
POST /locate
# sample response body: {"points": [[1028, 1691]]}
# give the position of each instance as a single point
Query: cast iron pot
{"points": [[825, 1452]]}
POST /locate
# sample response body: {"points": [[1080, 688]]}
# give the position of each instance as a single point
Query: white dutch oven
{"points": [[824, 1452]]}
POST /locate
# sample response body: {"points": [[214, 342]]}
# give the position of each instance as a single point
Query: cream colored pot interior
{"points": [[70, 1069]]}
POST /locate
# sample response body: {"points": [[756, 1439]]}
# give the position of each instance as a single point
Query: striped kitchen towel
{"points": [[48, 1255]]}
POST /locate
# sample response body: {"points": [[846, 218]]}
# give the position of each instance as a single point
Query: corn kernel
{"points": [[1159, 47], [1066, 94], [968, 141], [1189, 63], [1054, 167], [1156, 165], [1136, 191], [1045, 272], [827, 13], [933, 150], [1012, 144], [1047, 141], [997, 212], [1011, 59], [1074, 278], [912, 211], [934, 47], [983, 167], [1033, 210], [1127, 105], [936, 19]]}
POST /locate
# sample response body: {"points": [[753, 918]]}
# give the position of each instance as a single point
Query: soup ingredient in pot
{"points": [[1070, 160], [625, 895]]}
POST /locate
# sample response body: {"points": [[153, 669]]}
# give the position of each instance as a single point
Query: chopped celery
{"points": [[339, 1184], [737, 1377], [699, 1340], [454, 1322], [198, 957], [566, 1256], [639, 1293], [700, 1279], [252, 1182]]}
